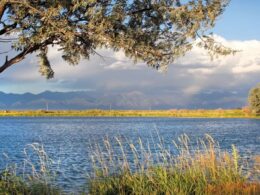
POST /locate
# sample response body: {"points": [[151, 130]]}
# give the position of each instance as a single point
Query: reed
{"points": [[204, 169], [36, 177], [122, 166]]}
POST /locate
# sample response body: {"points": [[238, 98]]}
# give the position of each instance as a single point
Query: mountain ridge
{"points": [[80, 100]]}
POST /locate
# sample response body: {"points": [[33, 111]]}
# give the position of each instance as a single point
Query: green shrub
{"points": [[254, 100]]}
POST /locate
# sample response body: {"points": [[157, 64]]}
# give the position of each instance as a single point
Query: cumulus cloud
{"points": [[192, 79], [245, 61]]}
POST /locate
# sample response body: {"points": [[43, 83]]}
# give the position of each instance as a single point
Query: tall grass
{"points": [[137, 167], [36, 177], [205, 169]]}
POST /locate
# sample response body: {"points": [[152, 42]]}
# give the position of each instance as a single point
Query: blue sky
{"points": [[194, 78], [240, 21]]}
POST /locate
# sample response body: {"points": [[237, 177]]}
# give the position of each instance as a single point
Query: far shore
{"points": [[177, 113]]}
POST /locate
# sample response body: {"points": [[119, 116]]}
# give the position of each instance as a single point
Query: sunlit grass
{"points": [[142, 168], [202, 170], [218, 113]]}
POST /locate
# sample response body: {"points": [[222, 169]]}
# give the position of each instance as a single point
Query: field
{"points": [[199, 113]]}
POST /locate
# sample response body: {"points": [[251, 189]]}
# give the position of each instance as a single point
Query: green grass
{"points": [[39, 181], [201, 170], [128, 167], [200, 113], [11, 184]]}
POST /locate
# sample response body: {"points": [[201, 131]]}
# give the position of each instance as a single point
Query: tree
{"points": [[156, 32], [254, 100]]}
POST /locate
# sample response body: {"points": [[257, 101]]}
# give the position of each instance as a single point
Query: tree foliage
{"points": [[154, 31], [254, 100]]}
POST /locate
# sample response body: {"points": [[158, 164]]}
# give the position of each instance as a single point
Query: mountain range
{"points": [[128, 100]]}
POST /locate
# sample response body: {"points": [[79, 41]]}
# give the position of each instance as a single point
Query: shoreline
{"points": [[180, 113]]}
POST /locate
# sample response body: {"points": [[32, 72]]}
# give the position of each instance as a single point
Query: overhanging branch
{"points": [[7, 28], [15, 59], [22, 55]]}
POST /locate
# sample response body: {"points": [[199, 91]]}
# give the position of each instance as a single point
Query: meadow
{"points": [[199, 113]]}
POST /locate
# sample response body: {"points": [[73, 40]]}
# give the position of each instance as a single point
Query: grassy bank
{"points": [[126, 168], [14, 185], [204, 169], [37, 180], [218, 113]]}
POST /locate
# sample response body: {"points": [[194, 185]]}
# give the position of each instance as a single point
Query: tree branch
{"points": [[141, 10], [22, 55], [15, 59], [8, 28]]}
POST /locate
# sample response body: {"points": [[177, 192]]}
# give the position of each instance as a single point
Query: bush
{"points": [[254, 100]]}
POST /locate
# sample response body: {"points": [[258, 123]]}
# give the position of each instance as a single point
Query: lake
{"points": [[68, 140]]}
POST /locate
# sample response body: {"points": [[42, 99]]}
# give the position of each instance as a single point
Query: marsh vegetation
{"points": [[147, 169], [199, 113]]}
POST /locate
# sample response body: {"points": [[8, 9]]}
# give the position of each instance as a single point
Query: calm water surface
{"points": [[67, 140]]}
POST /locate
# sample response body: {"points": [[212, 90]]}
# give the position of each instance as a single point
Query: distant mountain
{"points": [[126, 100], [73, 100]]}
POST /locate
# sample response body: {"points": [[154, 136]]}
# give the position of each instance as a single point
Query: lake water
{"points": [[67, 140]]}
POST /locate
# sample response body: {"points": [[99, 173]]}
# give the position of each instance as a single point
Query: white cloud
{"points": [[246, 69], [189, 76], [245, 61], [201, 71], [191, 90]]}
